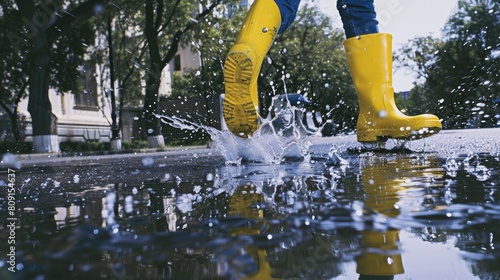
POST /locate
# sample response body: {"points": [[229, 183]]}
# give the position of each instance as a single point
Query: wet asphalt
{"points": [[86, 170]]}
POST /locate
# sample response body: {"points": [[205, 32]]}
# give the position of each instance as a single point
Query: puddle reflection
{"points": [[366, 216]]}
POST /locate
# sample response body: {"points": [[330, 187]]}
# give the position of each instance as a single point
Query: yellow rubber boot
{"points": [[382, 182], [243, 202], [242, 67], [370, 61]]}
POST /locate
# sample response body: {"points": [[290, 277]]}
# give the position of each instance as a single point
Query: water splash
{"points": [[282, 135]]}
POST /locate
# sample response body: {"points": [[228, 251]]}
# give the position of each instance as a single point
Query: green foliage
{"points": [[14, 53], [461, 70], [82, 147], [68, 56], [129, 50], [134, 145]]}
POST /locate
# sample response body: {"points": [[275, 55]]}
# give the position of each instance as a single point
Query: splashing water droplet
{"points": [[148, 161], [210, 177], [282, 135], [383, 113]]}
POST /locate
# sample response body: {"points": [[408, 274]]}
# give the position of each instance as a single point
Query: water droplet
{"points": [[383, 113], [197, 188], [210, 177], [148, 161]]}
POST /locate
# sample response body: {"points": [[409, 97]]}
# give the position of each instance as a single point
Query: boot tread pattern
{"points": [[239, 109]]}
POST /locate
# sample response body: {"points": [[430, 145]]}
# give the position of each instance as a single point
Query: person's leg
{"points": [[358, 17], [288, 10], [369, 56], [264, 21]]}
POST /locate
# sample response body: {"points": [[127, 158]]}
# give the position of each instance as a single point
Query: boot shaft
{"points": [[260, 27]]}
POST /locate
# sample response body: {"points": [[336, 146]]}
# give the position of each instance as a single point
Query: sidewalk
{"points": [[9, 160]]}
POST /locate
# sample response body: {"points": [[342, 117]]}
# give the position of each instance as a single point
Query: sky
{"points": [[404, 19]]}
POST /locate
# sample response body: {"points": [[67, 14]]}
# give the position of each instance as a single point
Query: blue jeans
{"points": [[358, 16], [288, 10]]}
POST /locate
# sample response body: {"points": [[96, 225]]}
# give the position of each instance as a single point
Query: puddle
{"points": [[415, 216]]}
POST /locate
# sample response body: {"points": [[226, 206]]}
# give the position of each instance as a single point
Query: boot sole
{"points": [[382, 135], [238, 108]]}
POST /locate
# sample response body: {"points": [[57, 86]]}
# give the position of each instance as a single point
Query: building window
{"points": [[177, 62], [86, 99]]}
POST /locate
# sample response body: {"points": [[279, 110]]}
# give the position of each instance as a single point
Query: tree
{"points": [[165, 21], [120, 62], [44, 28], [129, 52], [461, 70]]}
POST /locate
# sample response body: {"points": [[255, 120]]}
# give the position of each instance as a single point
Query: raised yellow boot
{"points": [[370, 61], [242, 67], [243, 203]]}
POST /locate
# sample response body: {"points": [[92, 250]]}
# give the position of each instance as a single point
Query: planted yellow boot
{"points": [[242, 67], [382, 182], [370, 61]]}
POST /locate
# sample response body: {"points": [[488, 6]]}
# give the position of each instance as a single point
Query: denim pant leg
{"points": [[288, 9], [358, 17]]}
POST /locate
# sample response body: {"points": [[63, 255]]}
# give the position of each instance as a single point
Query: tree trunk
{"points": [[152, 98], [116, 141], [12, 113], [43, 122], [152, 108]]}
